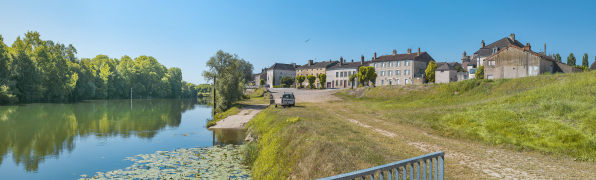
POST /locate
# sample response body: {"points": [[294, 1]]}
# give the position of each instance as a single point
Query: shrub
{"points": [[311, 80], [480, 72]]}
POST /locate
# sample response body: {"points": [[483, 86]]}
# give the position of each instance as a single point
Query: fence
{"points": [[431, 164]]}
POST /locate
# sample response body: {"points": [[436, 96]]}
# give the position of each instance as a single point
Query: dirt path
{"points": [[302, 95], [481, 160], [239, 120]]}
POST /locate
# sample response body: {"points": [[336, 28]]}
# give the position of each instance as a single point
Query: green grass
{"points": [[307, 143], [547, 113]]}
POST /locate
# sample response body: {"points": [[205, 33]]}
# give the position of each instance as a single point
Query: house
{"points": [[278, 71], [338, 74], [314, 68], [446, 72], [401, 69], [492, 48], [514, 61], [593, 67], [259, 76]]}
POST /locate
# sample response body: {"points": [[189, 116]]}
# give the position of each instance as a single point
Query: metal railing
{"points": [[431, 165]]}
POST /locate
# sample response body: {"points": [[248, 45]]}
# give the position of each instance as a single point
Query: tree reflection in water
{"points": [[34, 132]]}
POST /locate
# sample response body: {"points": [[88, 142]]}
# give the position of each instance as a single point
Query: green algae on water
{"points": [[195, 163]]}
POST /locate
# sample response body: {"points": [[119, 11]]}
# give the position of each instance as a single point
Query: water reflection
{"points": [[34, 132], [223, 137]]}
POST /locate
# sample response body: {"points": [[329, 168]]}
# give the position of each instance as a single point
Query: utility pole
{"points": [[214, 79]]}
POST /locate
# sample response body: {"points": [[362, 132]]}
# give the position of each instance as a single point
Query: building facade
{"points": [[446, 72], [338, 75], [278, 71], [401, 69], [314, 68], [515, 62], [492, 48]]}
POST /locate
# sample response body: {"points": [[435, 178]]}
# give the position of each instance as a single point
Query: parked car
{"points": [[266, 85], [288, 99]]}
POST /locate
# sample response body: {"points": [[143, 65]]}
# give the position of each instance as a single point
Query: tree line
{"points": [[36, 70]]}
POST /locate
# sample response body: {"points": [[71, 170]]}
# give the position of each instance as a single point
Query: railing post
{"points": [[411, 171], [436, 167], [404, 172], [442, 165], [424, 169], [418, 170]]}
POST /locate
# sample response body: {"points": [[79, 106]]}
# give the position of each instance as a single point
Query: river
{"points": [[65, 140]]}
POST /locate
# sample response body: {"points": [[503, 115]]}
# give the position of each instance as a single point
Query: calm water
{"points": [[57, 141]]}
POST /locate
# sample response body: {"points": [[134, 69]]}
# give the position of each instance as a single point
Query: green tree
{"points": [[322, 80], [353, 78], [311, 80], [262, 82], [371, 74], [362, 75], [479, 72], [287, 80], [225, 69], [174, 77], [585, 62], [300, 79], [430, 71], [571, 60], [558, 57]]}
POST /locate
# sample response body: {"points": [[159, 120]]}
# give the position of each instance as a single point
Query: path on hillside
{"points": [[480, 160], [241, 119]]}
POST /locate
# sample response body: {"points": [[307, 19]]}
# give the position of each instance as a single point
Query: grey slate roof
{"points": [[443, 66], [396, 57], [324, 64], [280, 66], [349, 65], [502, 43]]}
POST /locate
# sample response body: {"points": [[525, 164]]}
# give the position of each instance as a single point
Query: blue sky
{"points": [[185, 34]]}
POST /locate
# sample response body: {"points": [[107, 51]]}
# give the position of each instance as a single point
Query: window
{"points": [[397, 81], [279, 72], [336, 74], [406, 81], [396, 72], [375, 65], [406, 72], [382, 73], [398, 63], [390, 73], [389, 81], [349, 73], [382, 82], [336, 83]]}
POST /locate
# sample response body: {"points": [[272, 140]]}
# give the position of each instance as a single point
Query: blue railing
{"points": [[431, 165]]}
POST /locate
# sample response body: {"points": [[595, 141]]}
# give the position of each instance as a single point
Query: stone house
{"points": [[338, 74], [492, 48], [401, 69], [278, 71], [314, 68], [446, 72], [593, 67], [261, 75], [514, 62]]}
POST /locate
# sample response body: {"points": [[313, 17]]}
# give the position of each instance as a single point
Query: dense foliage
{"points": [[479, 73], [230, 74], [287, 80], [33, 70], [300, 79], [322, 80], [585, 62], [571, 60], [430, 71], [311, 80]]}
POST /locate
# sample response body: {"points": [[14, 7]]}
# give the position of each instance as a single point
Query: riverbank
{"points": [[240, 117], [370, 127]]}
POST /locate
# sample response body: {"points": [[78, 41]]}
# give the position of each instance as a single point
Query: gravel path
{"points": [[239, 120], [302, 95]]}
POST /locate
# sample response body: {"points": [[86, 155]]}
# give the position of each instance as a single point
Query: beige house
{"points": [[314, 68], [446, 72], [338, 74], [278, 71], [515, 62], [401, 69]]}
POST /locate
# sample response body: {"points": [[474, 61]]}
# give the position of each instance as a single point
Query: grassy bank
{"points": [[548, 113], [307, 142]]}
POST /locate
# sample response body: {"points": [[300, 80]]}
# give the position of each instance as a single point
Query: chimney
{"points": [[341, 61], [294, 65], [544, 48], [482, 44], [418, 51], [394, 52], [463, 57], [375, 55], [409, 50], [352, 60], [512, 37], [310, 62], [528, 47], [361, 59]]}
